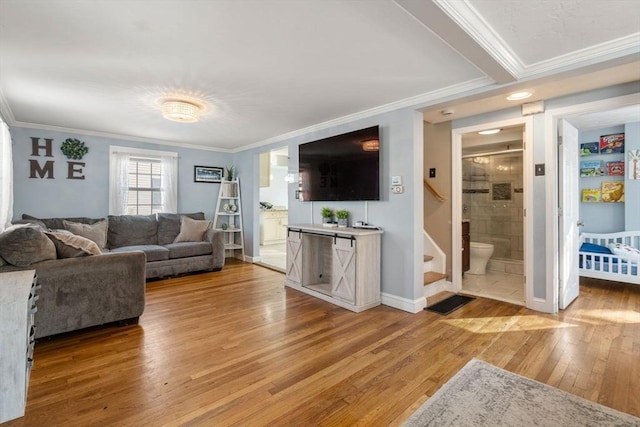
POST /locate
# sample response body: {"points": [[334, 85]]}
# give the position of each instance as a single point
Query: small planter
{"points": [[343, 218]]}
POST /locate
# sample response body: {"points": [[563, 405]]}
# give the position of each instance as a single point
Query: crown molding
{"points": [[118, 136], [623, 46], [468, 18], [5, 111], [418, 101]]}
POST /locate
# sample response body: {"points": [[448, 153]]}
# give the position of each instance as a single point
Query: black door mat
{"points": [[450, 304]]}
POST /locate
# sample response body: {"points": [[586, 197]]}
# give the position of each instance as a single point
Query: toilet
{"points": [[480, 254]]}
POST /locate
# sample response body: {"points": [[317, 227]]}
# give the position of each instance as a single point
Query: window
{"points": [[145, 190], [6, 177], [142, 182]]}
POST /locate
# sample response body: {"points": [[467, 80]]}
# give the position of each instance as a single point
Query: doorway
{"points": [[274, 200], [563, 237], [490, 182]]}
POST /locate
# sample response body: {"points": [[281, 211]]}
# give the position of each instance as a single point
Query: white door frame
{"points": [[456, 200], [551, 118]]}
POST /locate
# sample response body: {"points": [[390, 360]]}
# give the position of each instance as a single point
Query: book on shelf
{"points": [[588, 148], [590, 195], [612, 191], [592, 168], [613, 143], [615, 168]]}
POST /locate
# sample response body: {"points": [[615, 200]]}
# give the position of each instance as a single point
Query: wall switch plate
{"points": [[396, 180], [397, 189], [432, 172], [539, 169]]}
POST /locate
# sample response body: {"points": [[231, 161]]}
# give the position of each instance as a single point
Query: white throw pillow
{"points": [[192, 230], [629, 252]]}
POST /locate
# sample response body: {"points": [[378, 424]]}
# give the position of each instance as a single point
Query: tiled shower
{"points": [[492, 200]]}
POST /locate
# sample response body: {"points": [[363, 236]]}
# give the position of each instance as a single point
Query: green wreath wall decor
{"points": [[73, 149]]}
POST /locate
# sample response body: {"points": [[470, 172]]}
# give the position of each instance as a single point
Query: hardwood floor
{"points": [[238, 348]]}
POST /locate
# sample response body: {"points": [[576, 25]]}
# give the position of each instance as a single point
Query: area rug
{"points": [[481, 394], [450, 304]]}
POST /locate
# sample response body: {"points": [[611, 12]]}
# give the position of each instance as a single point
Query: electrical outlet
{"points": [[397, 189]]}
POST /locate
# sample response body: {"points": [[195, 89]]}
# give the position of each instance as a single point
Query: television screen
{"points": [[340, 168]]}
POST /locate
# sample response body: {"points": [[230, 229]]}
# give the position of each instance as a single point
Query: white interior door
{"points": [[569, 199]]}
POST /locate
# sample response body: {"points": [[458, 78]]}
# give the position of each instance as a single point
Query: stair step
{"points": [[427, 258], [432, 276]]}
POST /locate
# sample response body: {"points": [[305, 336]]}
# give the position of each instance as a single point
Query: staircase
{"points": [[435, 263]]}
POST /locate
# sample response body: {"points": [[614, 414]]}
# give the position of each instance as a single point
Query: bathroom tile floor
{"points": [[496, 285]]}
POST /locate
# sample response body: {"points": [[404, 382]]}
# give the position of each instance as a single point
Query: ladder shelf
{"points": [[228, 218]]}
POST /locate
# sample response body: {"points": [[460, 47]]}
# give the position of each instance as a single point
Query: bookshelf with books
{"points": [[602, 169]]}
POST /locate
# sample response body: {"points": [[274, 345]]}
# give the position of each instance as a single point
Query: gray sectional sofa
{"points": [[79, 290]]}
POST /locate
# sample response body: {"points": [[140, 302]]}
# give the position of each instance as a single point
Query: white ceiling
{"points": [[269, 68]]}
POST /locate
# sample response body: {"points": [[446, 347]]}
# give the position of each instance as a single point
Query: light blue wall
{"points": [[395, 213], [600, 217], [632, 187], [62, 197]]}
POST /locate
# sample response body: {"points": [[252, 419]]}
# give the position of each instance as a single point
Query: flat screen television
{"points": [[342, 167]]}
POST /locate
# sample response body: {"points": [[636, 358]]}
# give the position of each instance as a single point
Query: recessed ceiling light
{"points": [[447, 112], [489, 131], [519, 95]]}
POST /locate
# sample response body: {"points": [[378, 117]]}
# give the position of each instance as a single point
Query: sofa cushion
{"points": [[192, 230], [153, 252], [23, 245], [188, 249], [56, 223], [96, 232], [132, 230], [69, 245], [169, 225]]}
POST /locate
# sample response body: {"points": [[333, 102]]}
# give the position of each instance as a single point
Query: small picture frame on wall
{"points": [[210, 174]]}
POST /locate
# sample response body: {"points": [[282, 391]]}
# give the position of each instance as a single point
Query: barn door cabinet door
{"points": [[343, 276]]}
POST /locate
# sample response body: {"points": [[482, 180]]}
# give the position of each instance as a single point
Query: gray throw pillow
{"points": [[96, 232], [132, 230], [23, 245]]}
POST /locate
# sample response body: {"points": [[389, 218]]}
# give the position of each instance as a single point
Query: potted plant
{"points": [[343, 217], [327, 215], [231, 171]]}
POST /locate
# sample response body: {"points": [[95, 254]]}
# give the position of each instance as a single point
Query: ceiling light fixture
{"points": [[181, 111], [516, 96], [371, 145], [489, 131]]}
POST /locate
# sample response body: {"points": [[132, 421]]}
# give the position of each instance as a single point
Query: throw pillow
{"points": [[169, 225], [96, 232], [592, 247], [69, 245], [23, 245], [626, 251], [192, 230]]}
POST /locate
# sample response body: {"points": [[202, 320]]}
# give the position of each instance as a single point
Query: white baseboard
{"points": [[436, 287], [404, 304]]}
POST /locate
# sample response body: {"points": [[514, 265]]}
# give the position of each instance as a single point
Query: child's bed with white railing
{"points": [[611, 256]]}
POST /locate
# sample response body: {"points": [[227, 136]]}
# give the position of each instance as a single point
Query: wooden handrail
{"points": [[438, 195]]}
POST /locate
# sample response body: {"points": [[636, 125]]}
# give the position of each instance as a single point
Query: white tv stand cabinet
{"points": [[338, 265]]}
